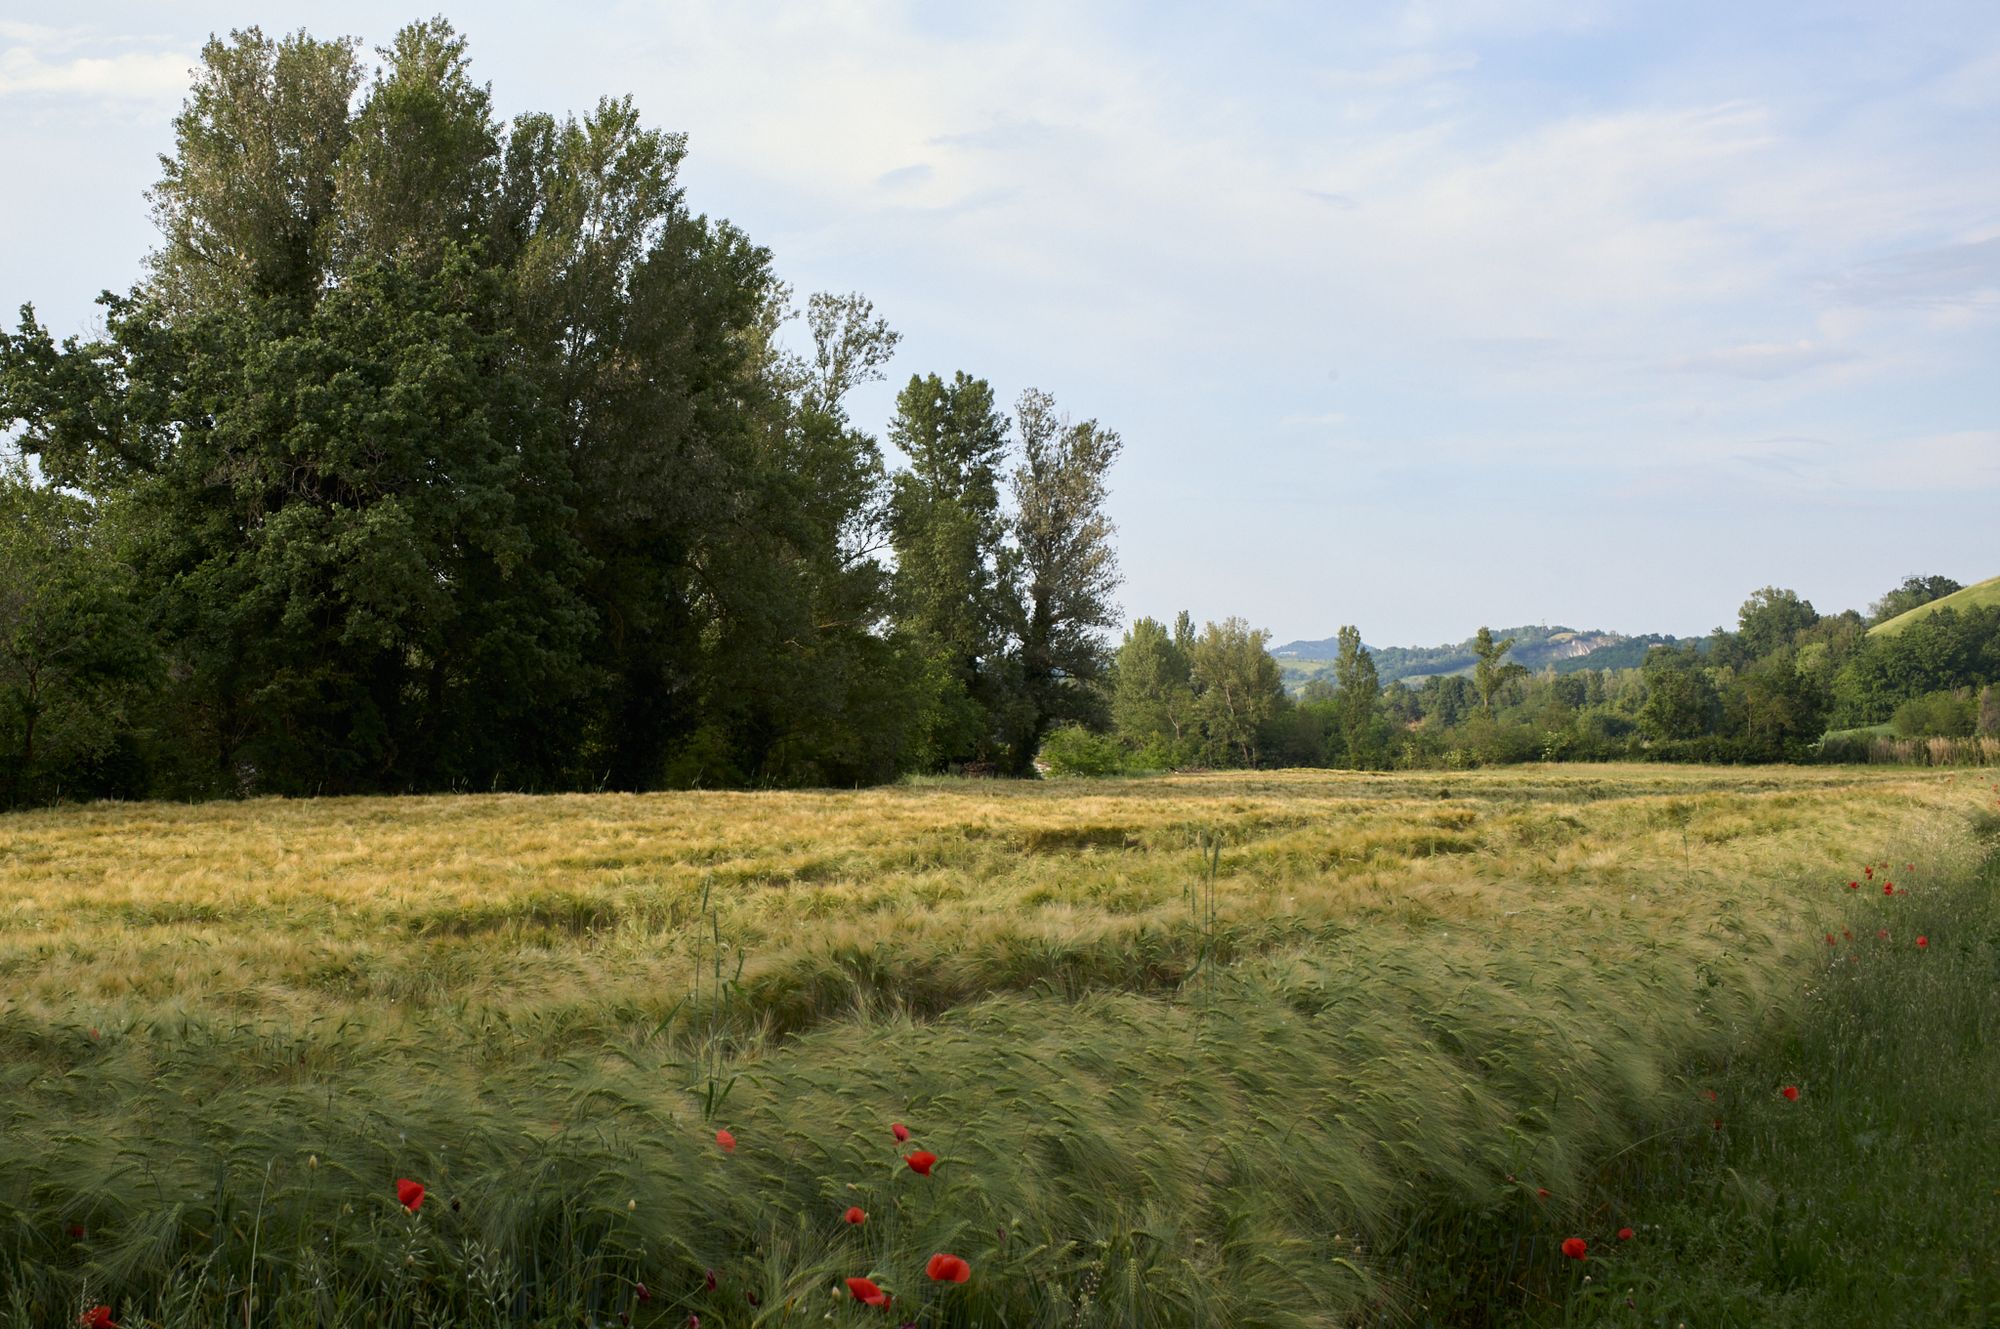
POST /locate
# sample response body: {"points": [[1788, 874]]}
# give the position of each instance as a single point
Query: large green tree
{"points": [[1359, 687], [1152, 697], [1067, 566], [1238, 691], [455, 452], [952, 590]]}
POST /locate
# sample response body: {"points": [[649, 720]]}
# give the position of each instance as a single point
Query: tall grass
{"points": [[1880, 749], [1416, 1001], [1871, 1200]]}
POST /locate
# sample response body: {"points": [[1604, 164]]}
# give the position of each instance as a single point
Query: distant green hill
{"points": [[1983, 595]]}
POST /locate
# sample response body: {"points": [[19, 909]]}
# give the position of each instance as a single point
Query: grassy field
{"points": [[1230, 1049], [1980, 595]]}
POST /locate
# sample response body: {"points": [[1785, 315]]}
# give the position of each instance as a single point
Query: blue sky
{"points": [[1414, 316]]}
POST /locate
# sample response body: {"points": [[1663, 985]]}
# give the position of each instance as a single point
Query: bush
{"points": [[1074, 750], [1937, 715]]}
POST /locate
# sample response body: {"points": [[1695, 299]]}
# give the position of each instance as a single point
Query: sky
{"points": [[1415, 316]]}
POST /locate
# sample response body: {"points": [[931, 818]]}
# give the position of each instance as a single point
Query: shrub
{"points": [[1074, 750]]}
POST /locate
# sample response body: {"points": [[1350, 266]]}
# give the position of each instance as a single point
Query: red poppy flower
{"points": [[1541, 1194], [1830, 941], [921, 1162], [854, 1216], [694, 1322], [98, 1317], [865, 1292], [1710, 1095], [708, 1283], [1881, 934], [1791, 1093], [900, 1131], [1868, 871], [1574, 1247], [1923, 943], [409, 1194], [1853, 885], [1888, 888], [1625, 1234], [727, 1141], [947, 1269], [1716, 1124], [639, 1290], [77, 1231]]}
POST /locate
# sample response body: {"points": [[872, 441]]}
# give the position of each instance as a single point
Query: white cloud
{"points": [[128, 76]]}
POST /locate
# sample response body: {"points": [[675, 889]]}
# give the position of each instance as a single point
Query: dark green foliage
{"points": [[952, 590], [449, 453], [1938, 715], [1915, 591], [74, 659], [1942, 651]]}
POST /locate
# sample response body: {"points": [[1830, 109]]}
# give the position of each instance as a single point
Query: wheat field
{"points": [[1250, 1049]]}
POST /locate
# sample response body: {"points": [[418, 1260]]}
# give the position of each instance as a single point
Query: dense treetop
{"points": [[434, 451]]}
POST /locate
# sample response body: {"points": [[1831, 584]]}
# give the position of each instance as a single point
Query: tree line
{"points": [[1767, 690], [436, 452]]}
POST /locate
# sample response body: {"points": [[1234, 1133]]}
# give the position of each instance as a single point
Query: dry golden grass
{"points": [[288, 910]]}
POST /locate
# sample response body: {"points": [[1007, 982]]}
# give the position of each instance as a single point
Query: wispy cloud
{"points": [[126, 76], [1762, 360], [1957, 274]]}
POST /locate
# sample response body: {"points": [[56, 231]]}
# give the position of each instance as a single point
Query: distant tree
{"points": [[1770, 620], [1488, 674], [1915, 591], [1681, 700], [1068, 568], [1785, 709], [1354, 668], [1152, 698], [1238, 689]]}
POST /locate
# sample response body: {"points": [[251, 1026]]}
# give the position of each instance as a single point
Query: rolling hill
{"points": [[1536, 646], [1981, 595]]}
